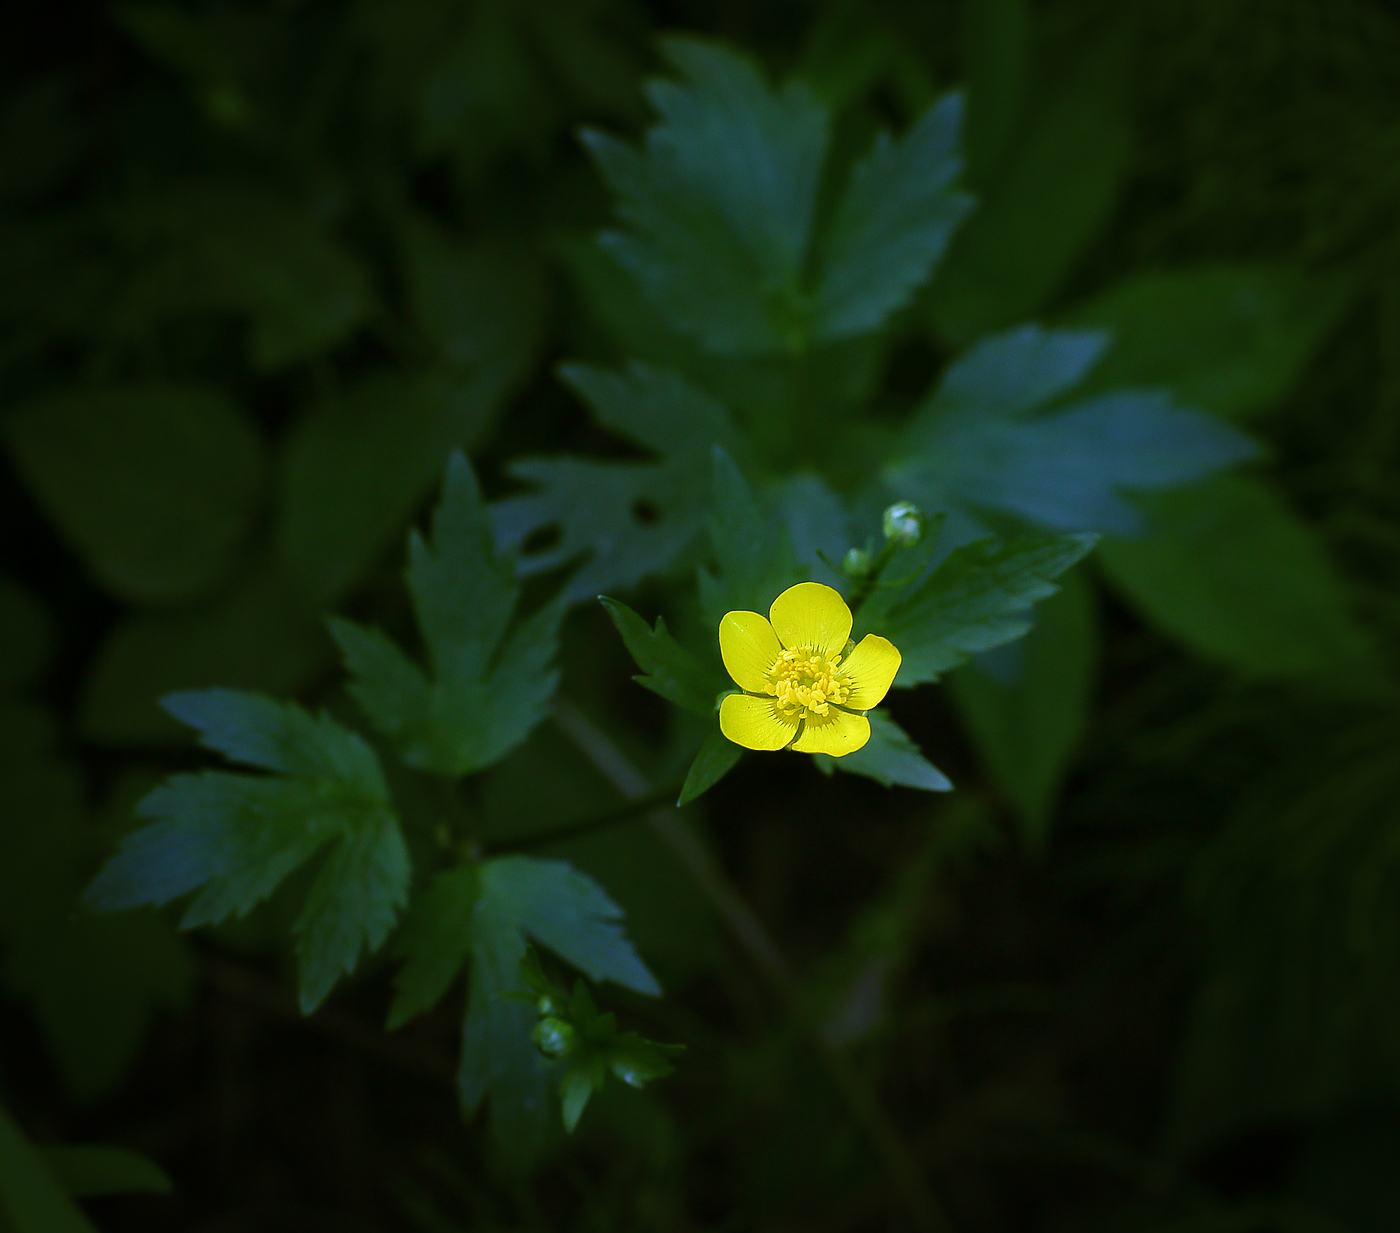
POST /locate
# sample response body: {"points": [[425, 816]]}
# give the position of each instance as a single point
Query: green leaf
{"points": [[1048, 197], [717, 757], [753, 552], [568, 912], [1230, 338], [489, 910], [889, 758], [489, 685], [1234, 574], [898, 213], [667, 667], [255, 637], [625, 521], [234, 838], [575, 1091], [975, 600], [31, 1198], [353, 471], [155, 485], [85, 1171], [720, 203], [434, 943], [1026, 704], [974, 447]]}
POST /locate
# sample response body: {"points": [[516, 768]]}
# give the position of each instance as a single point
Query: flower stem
{"points": [[923, 1209]]}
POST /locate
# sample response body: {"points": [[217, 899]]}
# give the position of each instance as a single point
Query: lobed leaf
{"points": [[234, 838], [975, 600], [489, 684], [667, 667], [895, 220]]}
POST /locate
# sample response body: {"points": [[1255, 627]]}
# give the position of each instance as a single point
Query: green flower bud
{"points": [[905, 524], [554, 1037], [857, 563]]}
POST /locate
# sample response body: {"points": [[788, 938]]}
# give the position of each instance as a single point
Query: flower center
{"points": [[803, 681]]}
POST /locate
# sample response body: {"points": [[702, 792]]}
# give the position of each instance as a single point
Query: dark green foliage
{"points": [[975, 600], [488, 687], [628, 520], [587, 1043], [486, 912], [1026, 704], [1229, 570], [155, 485], [975, 446], [31, 1197], [669, 669], [715, 759], [234, 837]]}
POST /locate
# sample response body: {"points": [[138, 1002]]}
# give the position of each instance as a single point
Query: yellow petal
{"points": [[813, 615], [749, 648], [837, 733], [755, 723], [870, 669]]}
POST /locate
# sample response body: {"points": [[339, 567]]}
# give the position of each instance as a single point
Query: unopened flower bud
{"points": [[857, 563], [554, 1037], [905, 524]]}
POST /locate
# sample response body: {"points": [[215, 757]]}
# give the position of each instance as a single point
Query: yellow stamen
{"points": [[806, 682]]}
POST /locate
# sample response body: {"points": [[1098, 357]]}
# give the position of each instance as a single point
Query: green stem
{"points": [[589, 825], [878, 567], [923, 1209]]}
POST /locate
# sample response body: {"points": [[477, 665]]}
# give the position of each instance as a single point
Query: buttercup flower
{"points": [[806, 686]]}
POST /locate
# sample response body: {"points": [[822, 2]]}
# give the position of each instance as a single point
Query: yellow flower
{"points": [[805, 688]]}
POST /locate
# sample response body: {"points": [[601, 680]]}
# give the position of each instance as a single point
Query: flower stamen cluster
{"points": [[805, 680], [806, 685]]}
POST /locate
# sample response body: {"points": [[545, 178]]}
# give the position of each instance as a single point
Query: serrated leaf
{"points": [[895, 219], [1025, 704], [975, 600], [624, 520], [489, 684], [568, 912], [716, 758], [490, 910], [155, 485], [234, 838], [1233, 573], [668, 668], [890, 757], [975, 447], [721, 200]]}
